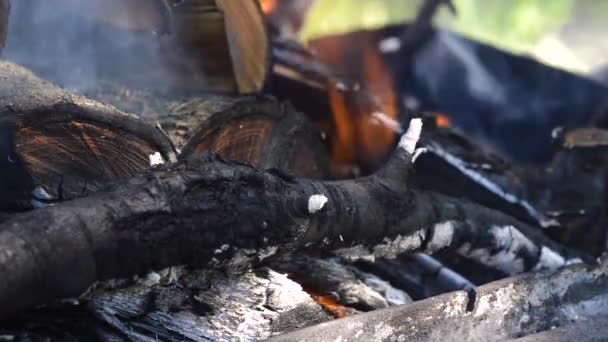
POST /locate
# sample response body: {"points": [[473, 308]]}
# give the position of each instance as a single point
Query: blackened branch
{"points": [[211, 212]]}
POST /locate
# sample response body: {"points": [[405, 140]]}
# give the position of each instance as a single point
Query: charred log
{"points": [[207, 211], [530, 305]]}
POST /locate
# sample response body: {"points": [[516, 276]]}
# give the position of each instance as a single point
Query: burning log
{"points": [[438, 72], [222, 217], [360, 86], [207, 211], [208, 305]]}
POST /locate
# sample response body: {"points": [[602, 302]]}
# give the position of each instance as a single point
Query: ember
{"points": [[268, 6], [194, 170]]}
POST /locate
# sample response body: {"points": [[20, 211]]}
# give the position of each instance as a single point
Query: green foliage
{"points": [[511, 24], [340, 16]]}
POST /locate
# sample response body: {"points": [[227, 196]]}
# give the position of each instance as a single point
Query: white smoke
{"points": [[59, 41]]}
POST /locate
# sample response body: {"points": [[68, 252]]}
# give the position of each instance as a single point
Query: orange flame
{"points": [[365, 111], [268, 5]]}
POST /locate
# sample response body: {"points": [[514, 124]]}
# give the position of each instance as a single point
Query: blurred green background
{"points": [[564, 33]]}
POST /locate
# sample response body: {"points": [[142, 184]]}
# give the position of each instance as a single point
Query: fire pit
{"points": [[186, 170]]}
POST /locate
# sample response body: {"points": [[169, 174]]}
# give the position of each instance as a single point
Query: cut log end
{"points": [[264, 133], [69, 145]]}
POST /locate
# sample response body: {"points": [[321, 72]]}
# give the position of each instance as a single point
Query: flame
{"points": [[364, 110], [268, 6]]}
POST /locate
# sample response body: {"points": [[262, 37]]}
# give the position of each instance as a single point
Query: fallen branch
{"points": [[208, 211]]}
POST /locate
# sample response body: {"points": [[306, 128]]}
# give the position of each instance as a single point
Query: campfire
{"points": [[191, 170]]}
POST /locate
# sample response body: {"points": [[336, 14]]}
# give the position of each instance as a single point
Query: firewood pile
{"points": [[186, 170]]}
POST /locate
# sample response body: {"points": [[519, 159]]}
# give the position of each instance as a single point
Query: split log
{"points": [[207, 211], [66, 144], [227, 40]]}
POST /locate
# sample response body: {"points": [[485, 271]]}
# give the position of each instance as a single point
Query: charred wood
{"points": [[207, 211], [346, 284], [573, 189], [529, 305], [456, 166], [420, 275], [177, 304]]}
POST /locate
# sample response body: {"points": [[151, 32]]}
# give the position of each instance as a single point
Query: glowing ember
{"points": [[268, 5], [329, 304], [442, 120]]}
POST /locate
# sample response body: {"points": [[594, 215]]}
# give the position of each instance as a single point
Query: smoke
{"points": [[63, 41]]}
